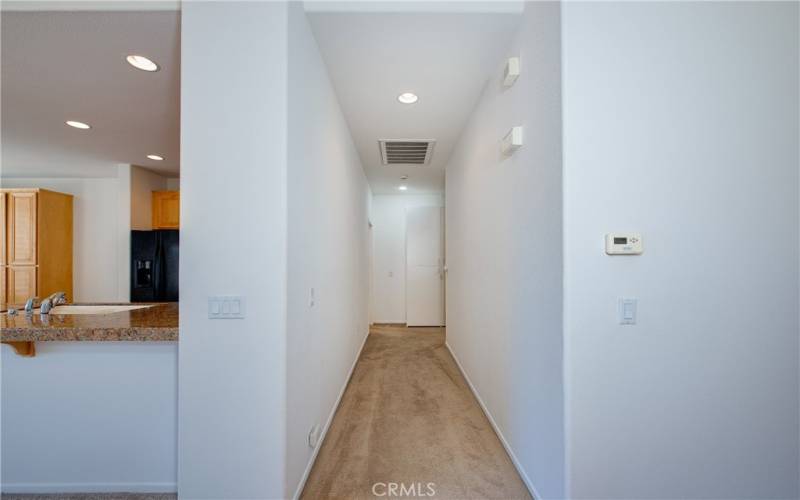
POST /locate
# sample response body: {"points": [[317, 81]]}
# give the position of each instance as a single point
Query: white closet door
{"points": [[425, 266]]}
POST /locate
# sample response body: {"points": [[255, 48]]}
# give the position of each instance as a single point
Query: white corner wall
{"points": [[504, 254], [681, 122], [328, 201], [388, 216], [96, 216], [232, 373]]}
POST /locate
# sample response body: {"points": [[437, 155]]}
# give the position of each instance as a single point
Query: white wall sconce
{"points": [[512, 141], [511, 72]]}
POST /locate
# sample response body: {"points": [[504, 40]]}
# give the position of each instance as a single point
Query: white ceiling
{"points": [[59, 66], [444, 57]]}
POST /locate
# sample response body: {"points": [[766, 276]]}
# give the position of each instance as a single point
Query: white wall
{"points": [[95, 232], [388, 215], [681, 122], [504, 254], [328, 248], [124, 209], [143, 183], [232, 373], [90, 417]]}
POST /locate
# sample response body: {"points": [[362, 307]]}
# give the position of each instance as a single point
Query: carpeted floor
{"points": [[409, 418]]}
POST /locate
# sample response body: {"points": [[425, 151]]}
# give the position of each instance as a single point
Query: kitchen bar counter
{"points": [[158, 323]]}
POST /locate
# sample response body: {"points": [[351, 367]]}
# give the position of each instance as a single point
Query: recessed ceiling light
{"points": [[402, 188], [155, 157], [407, 98], [80, 125], [403, 177], [142, 63]]}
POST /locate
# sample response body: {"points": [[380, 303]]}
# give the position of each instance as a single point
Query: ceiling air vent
{"points": [[394, 152]]}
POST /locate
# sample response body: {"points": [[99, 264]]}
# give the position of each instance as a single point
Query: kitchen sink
{"points": [[100, 309]]}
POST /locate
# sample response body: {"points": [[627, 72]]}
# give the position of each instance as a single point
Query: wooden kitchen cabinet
{"points": [[21, 228], [166, 209], [37, 244], [3, 261], [2, 249], [21, 284]]}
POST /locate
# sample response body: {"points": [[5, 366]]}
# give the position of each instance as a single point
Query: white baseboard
{"points": [[324, 432], [89, 487], [517, 465]]}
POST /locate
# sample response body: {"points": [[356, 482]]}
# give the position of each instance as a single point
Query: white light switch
{"points": [[226, 307], [627, 311]]}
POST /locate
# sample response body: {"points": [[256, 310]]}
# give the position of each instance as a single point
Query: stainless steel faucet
{"points": [[30, 304], [53, 300], [57, 298], [45, 306]]}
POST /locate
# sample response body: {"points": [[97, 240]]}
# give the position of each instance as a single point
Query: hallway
{"points": [[408, 416]]}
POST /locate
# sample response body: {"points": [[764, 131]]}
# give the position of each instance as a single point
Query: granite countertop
{"points": [[158, 323]]}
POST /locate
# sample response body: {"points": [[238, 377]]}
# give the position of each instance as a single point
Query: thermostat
{"points": [[623, 244]]}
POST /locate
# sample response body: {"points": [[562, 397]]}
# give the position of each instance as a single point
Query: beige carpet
{"points": [[408, 417]]}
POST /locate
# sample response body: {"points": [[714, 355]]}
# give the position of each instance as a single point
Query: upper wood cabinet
{"points": [[36, 244], [21, 231], [3, 236], [166, 209]]}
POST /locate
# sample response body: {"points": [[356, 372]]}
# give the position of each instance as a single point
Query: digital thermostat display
{"points": [[623, 244]]}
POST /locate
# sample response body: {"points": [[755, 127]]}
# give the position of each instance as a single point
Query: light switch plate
{"points": [[226, 307], [627, 311]]}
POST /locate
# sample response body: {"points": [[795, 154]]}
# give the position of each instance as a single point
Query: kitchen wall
{"points": [[105, 209], [681, 122], [504, 254], [388, 216], [97, 417], [232, 373], [95, 229], [328, 199]]}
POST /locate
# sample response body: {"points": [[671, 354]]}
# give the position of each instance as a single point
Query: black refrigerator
{"points": [[154, 266]]}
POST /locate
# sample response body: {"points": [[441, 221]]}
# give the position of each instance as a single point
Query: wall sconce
{"points": [[512, 71], [512, 141]]}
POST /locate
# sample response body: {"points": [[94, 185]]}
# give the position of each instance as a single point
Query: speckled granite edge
{"points": [[131, 334], [157, 323]]}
